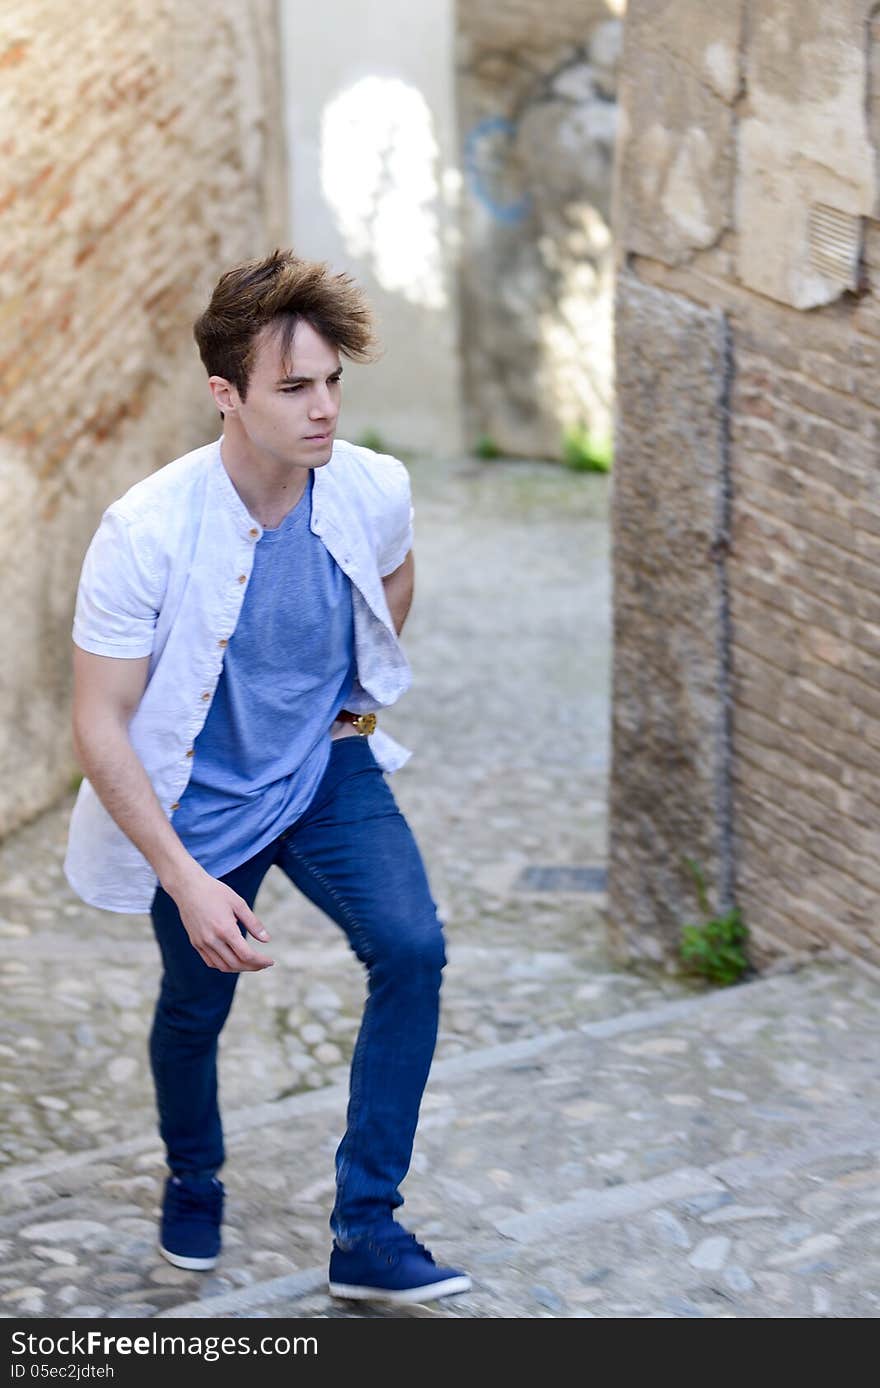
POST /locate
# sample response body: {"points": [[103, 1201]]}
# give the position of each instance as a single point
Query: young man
{"points": [[236, 628]]}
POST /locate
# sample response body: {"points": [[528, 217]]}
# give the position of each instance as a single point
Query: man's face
{"points": [[291, 409]]}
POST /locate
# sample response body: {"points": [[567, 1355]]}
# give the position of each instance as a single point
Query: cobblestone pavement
{"points": [[594, 1141]]}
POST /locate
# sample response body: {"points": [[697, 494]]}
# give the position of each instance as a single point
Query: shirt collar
{"points": [[230, 499]]}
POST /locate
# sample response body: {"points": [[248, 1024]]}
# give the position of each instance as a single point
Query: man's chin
{"points": [[317, 456]]}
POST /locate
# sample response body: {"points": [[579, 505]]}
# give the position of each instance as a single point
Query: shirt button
{"points": [[223, 641], [176, 805], [191, 752], [207, 694], [253, 533], [242, 578]]}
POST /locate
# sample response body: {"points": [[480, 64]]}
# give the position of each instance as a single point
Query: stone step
{"points": [[726, 1142], [330, 1097]]}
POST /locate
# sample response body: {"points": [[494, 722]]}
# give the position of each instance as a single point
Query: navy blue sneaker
{"points": [[192, 1212], [391, 1266]]}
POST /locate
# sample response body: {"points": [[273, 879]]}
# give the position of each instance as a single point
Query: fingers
{"points": [[245, 956], [230, 954], [249, 920], [218, 940], [218, 957]]}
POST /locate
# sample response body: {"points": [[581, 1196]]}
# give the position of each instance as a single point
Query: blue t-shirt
{"points": [[288, 670]]}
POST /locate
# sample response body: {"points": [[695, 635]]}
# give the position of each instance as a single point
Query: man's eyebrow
{"points": [[304, 380]]}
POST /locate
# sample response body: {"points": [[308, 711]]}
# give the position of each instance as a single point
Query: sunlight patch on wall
{"points": [[380, 165], [576, 331]]}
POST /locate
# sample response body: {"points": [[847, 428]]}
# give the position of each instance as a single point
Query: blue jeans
{"points": [[353, 854]]}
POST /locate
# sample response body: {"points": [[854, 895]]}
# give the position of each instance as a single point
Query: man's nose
{"points": [[322, 405]]}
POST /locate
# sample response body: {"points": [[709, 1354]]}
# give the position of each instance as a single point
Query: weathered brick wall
{"points": [[727, 150], [141, 155], [805, 604]]}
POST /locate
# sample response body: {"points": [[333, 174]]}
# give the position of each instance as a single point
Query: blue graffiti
{"points": [[486, 152]]}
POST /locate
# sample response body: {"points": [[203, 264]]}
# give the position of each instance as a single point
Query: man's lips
{"points": [[312, 437]]}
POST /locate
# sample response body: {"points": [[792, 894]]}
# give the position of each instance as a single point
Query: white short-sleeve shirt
{"points": [[165, 576]]}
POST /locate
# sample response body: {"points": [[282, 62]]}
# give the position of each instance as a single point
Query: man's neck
{"points": [[268, 488]]}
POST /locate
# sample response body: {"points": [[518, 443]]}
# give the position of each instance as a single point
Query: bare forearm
{"points": [[399, 587], [124, 789]]}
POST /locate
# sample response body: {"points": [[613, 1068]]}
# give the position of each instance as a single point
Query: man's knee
{"points": [[193, 1019], [405, 950]]}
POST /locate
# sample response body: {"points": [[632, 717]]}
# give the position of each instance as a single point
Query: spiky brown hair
{"points": [[282, 289]]}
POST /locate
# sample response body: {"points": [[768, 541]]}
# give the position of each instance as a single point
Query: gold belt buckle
{"points": [[365, 723]]}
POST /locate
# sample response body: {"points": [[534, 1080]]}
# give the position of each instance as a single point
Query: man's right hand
{"points": [[211, 911], [107, 693]]}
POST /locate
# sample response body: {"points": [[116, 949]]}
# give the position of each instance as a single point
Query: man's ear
{"points": [[226, 397]]}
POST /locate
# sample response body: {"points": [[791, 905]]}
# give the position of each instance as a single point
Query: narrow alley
{"points": [[595, 1141]]}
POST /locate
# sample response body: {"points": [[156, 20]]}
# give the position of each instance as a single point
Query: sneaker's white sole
{"points": [[191, 1264], [427, 1293]]}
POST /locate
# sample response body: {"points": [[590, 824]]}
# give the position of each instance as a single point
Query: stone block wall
{"points": [[537, 115], [745, 200], [669, 793], [142, 154]]}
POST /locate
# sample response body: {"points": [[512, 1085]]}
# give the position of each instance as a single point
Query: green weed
{"points": [[371, 438], [486, 447], [584, 451], [716, 948]]}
